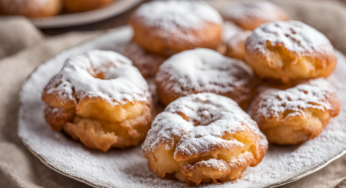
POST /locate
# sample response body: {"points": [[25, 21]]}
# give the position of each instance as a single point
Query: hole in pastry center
{"points": [[100, 72]]}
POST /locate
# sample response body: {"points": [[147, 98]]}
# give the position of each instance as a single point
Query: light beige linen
{"points": [[17, 34], [27, 49], [18, 167]]}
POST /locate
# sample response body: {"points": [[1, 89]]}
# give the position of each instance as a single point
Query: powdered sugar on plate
{"points": [[128, 168], [295, 36], [182, 14]]}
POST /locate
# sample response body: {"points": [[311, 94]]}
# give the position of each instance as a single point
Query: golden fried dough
{"points": [[31, 8], [146, 62], [72, 6], [204, 70], [169, 27], [203, 138], [289, 52], [250, 15], [236, 45], [100, 99], [297, 114]]}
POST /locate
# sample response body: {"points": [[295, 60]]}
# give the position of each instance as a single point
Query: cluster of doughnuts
{"points": [[248, 16], [100, 99], [283, 54], [46, 8], [164, 28], [204, 134]]}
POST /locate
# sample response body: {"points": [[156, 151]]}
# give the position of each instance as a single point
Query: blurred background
{"points": [[326, 16]]}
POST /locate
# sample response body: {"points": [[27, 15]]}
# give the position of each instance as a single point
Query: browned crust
{"points": [[263, 66], [237, 50], [84, 5], [274, 83], [54, 98], [93, 134], [335, 104], [31, 9], [58, 117], [160, 41], [250, 22], [147, 63], [255, 21], [243, 94], [231, 172]]}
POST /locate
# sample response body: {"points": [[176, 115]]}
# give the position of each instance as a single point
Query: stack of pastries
{"points": [[46, 8], [204, 134]]}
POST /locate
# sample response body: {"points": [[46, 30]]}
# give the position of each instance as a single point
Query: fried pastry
{"points": [[100, 99], [204, 70], [31, 8], [250, 15], [295, 115], [289, 52], [236, 45], [203, 138], [146, 62], [169, 27], [73, 6]]}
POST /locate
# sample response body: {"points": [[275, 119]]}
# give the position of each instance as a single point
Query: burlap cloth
{"points": [[23, 48]]}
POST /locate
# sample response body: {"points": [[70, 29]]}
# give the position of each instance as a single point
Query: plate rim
{"points": [[90, 41], [87, 17]]}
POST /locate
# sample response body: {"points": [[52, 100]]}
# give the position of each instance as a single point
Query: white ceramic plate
{"points": [[74, 19], [128, 168]]}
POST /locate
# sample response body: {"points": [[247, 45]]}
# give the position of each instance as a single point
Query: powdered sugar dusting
{"points": [[210, 117], [251, 10], [128, 168], [182, 14], [203, 70], [314, 94], [293, 35], [122, 82]]}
